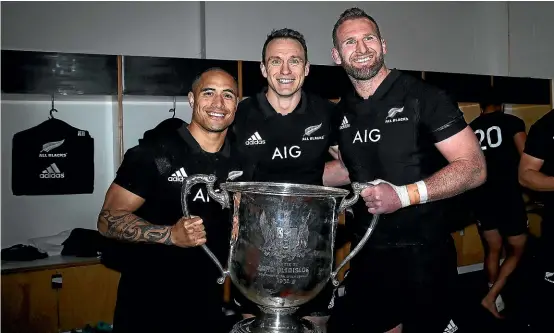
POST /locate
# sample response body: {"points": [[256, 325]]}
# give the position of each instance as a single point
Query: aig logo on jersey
{"points": [[255, 139], [52, 172], [395, 115], [47, 147], [373, 135], [311, 130], [286, 152]]}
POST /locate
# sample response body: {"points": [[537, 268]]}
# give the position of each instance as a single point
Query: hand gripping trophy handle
{"points": [[222, 197], [357, 188]]}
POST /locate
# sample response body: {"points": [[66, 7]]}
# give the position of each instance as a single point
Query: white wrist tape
{"points": [[401, 191], [422, 189]]}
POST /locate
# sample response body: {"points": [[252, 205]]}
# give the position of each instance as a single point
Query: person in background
{"points": [[536, 172], [411, 142], [283, 134], [498, 203], [168, 283]]}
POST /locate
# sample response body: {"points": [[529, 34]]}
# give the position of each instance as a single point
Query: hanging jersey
{"points": [[52, 158], [284, 148], [392, 136], [495, 132]]}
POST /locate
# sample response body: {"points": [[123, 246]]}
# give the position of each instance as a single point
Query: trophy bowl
{"points": [[281, 247]]}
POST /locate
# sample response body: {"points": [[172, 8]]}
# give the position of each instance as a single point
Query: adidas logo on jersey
{"points": [[451, 328], [255, 139], [52, 172], [345, 123], [178, 176]]}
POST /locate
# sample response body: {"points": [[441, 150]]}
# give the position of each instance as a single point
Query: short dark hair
{"points": [[217, 69], [286, 33], [352, 14]]}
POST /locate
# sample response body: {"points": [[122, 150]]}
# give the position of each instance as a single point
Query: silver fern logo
{"points": [[311, 130], [51, 145], [394, 111], [308, 131]]}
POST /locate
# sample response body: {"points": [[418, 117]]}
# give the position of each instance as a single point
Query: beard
{"points": [[365, 73]]}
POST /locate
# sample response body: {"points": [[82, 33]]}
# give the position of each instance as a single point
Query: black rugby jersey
{"points": [[391, 136], [495, 132], [52, 158], [540, 144], [154, 170], [284, 148]]}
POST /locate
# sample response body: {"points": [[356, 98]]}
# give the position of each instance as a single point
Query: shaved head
{"points": [[198, 79]]}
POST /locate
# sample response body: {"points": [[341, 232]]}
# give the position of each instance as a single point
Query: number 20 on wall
{"points": [[481, 134]]}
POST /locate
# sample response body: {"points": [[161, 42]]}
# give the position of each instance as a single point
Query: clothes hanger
{"points": [[53, 109], [174, 106]]}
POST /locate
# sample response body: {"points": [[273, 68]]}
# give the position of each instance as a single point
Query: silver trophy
{"points": [[282, 246]]}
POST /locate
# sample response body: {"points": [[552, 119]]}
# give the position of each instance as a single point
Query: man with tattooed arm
{"points": [[168, 283]]}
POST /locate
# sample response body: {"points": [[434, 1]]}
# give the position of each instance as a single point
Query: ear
{"points": [[307, 69], [191, 100], [384, 45], [336, 56], [263, 69]]}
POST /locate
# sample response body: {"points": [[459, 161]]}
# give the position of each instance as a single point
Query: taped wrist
{"points": [[401, 191]]}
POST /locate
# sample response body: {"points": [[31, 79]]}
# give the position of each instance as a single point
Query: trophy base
{"points": [[273, 320], [248, 326]]}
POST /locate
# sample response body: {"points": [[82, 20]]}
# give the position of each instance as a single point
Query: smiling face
{"points": [[285, 66], [214, 101], [359, 49]]}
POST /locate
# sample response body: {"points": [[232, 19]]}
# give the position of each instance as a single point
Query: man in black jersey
{"points": [[498, 203], [536, 172], [411, 142], [284, 133], [168, 283]]}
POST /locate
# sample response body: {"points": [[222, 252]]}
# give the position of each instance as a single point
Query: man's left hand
{"points": [[381, 198]]}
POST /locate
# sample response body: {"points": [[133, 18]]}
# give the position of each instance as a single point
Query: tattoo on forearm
{"points": [[456, 178], [129, 227]]}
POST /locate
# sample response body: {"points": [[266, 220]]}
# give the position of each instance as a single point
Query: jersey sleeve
{"points": [[441, 116], [137, 172], [517, 125], [535, 145]]}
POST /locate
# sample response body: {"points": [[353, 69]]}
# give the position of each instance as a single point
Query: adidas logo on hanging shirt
{"points": [[345, 123], [52, 172], [178, 176], [255, 139], [47, 147]]}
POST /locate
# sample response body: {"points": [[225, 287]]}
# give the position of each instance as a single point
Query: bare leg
{"points": [[397, 329], [493, 248], [516, 247]]}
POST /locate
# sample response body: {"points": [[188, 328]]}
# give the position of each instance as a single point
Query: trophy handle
{"points": [[357, 188], [222, 197]]}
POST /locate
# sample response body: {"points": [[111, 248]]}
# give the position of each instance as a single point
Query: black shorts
{"points": [[508, 217], [412, 285], [317, 307]]}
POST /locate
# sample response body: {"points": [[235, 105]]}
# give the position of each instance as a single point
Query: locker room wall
{"points": [[493, 38], [25, 217]]}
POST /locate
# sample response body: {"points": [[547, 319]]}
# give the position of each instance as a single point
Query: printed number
{"points": [[489, 142]]}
